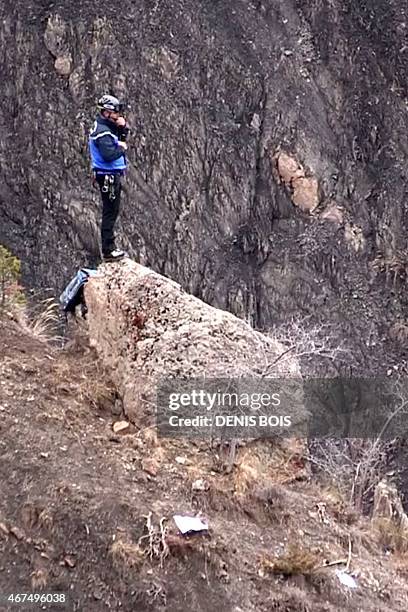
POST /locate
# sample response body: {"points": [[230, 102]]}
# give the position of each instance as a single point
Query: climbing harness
{"points": [[109, 186]]}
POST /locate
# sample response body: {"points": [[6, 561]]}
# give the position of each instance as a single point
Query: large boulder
{"points": [[145, 328]]}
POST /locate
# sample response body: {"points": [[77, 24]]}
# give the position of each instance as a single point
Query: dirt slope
{"points": [[74, 497]]}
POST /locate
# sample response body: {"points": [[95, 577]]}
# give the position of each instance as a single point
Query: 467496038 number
{"points": [[30, 598]]}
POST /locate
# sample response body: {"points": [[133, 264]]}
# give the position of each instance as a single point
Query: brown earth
{"points": [[74, 497]]}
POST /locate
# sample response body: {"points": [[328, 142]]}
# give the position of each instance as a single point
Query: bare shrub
{"points": [[358, 465], [355, 464], [153, 543], [313, 346]]}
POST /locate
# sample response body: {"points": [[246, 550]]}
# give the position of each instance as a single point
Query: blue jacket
{"points": [[106, 154]]}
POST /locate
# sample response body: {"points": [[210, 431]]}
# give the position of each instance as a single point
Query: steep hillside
{"points": [[88, 512], [217, 94]]}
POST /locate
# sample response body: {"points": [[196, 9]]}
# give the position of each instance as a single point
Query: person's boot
{"points": [[114, 255]]}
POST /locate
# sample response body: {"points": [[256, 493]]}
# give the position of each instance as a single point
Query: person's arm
{"points": [[109, 149]]}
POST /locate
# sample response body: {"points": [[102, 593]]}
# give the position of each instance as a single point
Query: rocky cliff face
{"points": [[268, 156]]}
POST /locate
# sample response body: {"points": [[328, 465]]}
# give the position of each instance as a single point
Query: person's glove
{"points": [[123, 128]]}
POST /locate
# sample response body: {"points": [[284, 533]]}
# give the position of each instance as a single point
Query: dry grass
{"points": [[249, 473], [41, 323], [45, 519], [29, 515], [291, 599], [391, 535], [393, 263], [39, 579], [274, 502], [153, 545], [401, 565], [126, 554], [337, 505], [97, 391], [296, 561], [266, 461], [92, 385]]}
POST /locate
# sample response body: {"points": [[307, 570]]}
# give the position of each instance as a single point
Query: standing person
{"points": [[107, 148]]}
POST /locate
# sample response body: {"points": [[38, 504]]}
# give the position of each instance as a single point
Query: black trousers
{"points": [[110, 186]]}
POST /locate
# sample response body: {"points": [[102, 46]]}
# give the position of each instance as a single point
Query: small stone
{"points": [[117, 408], [150, 466], [120, 426], [181, 460], [256, 122], [288, 168], [63, 65], [4, 528], [333, 213], [69, 561], [200, 485], [17, 533], [306, 193]]}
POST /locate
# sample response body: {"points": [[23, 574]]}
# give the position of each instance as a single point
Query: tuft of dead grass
{"points": [[92, 385], [393, 263], [29, 515], [39, 579], [42, 322], [391, 535], [98, 392], [274, 502], [296, 561], [291, 599], [401, 565], [126, 554], [45, 519]]}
